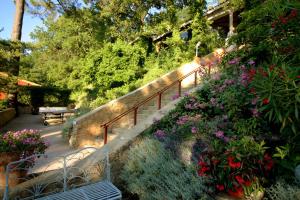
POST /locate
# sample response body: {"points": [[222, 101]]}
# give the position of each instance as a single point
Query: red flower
{"points": [[268, 162], [215, 161], [273, 25], [240, 179], [298, 76], [233, 164], [271, 67], [266, 101], [247, 183], [252, 90], [267, 157], [262, 72], [269, 165], [237, 192], [201, 163], [220, 187], [283, 20], [202, 170], [293, 13]]}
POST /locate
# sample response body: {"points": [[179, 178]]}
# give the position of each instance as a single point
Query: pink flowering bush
{"points": [[25, 142]]}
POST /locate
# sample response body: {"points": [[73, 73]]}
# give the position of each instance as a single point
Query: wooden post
{"points": [[135, 116], [105, 134], [179, 88], [195, 81], [159, 101]]}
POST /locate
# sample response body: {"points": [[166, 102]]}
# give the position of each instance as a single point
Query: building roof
{"points": [[21, 82]]}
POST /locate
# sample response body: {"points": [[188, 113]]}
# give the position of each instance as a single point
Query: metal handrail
{"points": [[159, 93]]}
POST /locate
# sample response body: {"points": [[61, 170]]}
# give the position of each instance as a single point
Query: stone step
{"points": [[119, 130], [141, 116], [144, 112], [148, 109]]}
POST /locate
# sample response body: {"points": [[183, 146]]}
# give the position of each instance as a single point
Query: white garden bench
{"points": [[99, 190]]}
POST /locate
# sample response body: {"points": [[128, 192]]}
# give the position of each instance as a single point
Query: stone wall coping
{"points": [[6, 110]]}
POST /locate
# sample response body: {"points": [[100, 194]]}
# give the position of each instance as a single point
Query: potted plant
{"points": [[18, 145]]}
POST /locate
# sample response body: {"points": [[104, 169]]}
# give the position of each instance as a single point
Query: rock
{"points": [[297, 173]]}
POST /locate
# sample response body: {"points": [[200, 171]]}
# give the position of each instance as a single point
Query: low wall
{"points": [[87, 130], [6, 115]]}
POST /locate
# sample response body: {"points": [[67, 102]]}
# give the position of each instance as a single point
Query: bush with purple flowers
{"points": [[24, 142]]}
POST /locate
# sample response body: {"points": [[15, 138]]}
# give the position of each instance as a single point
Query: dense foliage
{"points": [[103, 49]]}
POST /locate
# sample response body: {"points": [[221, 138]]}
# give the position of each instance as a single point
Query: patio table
{"points": [[54, 112]]}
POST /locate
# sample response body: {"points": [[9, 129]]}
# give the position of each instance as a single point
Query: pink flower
{"points": [[255, 112], [229, 82], [234, 61], [176, 96], [226, 139], [219, 134], [254, 101], [216, 76], [188, 106], [213, 101], [251, 62], [243, 67], [160, 134], [194, 130], [182, 120]]}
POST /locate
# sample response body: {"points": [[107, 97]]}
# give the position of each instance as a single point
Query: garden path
{"points": [[51, 133]]}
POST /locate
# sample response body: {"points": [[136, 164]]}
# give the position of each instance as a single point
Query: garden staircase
{"points": [[118, 118], [146, 111]]}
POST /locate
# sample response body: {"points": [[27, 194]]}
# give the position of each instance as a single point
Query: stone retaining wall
{"points": [[86, 129], [6, 115]]}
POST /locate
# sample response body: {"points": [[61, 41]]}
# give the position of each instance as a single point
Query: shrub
{"points": [[283, 191], [152, 173], [25, 143], [68, 125], [240, 170], [3, 104]]}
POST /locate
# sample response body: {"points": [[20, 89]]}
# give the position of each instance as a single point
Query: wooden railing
{"points": [[158, 94]]}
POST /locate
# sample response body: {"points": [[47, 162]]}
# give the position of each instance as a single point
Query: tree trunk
{"points": [[18, 21], [16, 37], [17, 33]]}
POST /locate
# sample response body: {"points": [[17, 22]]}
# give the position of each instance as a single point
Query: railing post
{"points": [[195, 81], [159, 101], [105, 133], [209, 67], [135, 116], [65, 174], [6, 192], [179, 88]]}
